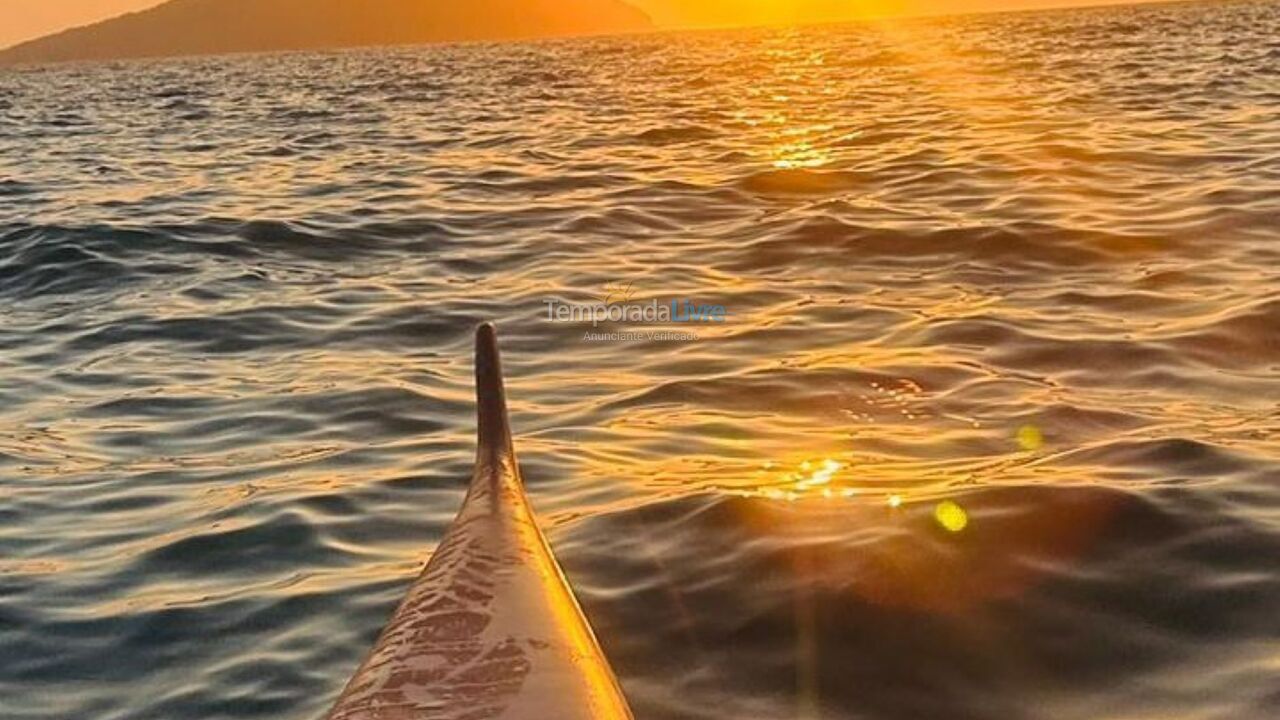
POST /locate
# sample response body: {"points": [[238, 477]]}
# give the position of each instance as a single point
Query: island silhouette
{"points": [[209, 27]]}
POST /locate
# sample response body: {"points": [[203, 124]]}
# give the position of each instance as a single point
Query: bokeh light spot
{"points": [[951, 516], [1030, 437]]}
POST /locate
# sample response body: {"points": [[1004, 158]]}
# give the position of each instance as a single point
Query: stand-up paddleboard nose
{"points": [[490, 629]]}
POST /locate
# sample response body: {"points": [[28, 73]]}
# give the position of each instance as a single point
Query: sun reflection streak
{"points": [[799, 155]]}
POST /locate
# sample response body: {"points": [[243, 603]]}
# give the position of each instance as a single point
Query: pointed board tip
{"points": [[491, 401]]}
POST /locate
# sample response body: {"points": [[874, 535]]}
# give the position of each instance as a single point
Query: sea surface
{"points": [[989, 431]]}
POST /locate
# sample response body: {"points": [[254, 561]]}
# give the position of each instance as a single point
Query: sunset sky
{"points": [[25, 19]]}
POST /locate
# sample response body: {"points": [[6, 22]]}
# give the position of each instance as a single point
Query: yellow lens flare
{"points": [[951, 516], [1030, 438]]}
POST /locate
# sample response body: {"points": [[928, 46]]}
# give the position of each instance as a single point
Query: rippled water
{"points": [[990, 431]]}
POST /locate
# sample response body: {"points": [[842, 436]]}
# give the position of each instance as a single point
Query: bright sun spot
{"points": [[820, 476]]}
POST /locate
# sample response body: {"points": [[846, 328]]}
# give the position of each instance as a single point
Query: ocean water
{"points": [[989, 431]]}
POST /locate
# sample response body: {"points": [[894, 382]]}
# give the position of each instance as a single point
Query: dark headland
{"points": [[208, 27]]}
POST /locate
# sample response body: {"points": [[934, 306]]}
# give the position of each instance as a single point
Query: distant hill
{"points": [[207, 27]]}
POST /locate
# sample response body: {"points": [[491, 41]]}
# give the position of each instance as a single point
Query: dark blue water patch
{"points": [[260, 662], [153, 406], [111, 242], [286, 541], [333, 504], [149, 640], [227, 334], [268, 237], [38, 261], [317, 325], [58, 269]]}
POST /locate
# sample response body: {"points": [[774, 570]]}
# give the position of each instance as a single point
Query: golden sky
{"points": [[25, 19]]}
